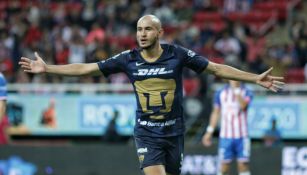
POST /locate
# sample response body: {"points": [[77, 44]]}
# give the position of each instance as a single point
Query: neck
{"points": [[152, 53]]}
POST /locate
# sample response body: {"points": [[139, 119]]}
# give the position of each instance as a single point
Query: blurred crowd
{"points": [[83, 31]]}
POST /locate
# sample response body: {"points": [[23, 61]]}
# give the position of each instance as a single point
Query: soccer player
{"points": [[231, 103], [6, 130], [4, 122], [155, 71]]}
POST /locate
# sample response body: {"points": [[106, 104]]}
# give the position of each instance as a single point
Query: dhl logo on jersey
{"points": [[153, 71]]}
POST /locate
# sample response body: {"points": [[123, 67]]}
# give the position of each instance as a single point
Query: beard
{"points": [[151, 45]]}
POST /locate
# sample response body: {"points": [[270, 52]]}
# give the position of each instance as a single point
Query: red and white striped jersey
{"points": [[233, 118]]}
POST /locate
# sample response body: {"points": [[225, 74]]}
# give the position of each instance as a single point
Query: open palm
{"points": [[33, 66], [273, 83]]}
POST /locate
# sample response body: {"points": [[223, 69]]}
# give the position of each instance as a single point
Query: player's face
{"points": [[147, 34]]}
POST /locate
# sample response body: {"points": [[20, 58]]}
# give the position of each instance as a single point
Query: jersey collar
{"points": [[167, 53]]}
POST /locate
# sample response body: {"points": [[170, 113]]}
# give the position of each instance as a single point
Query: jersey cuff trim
{"points": [[101, 70]]}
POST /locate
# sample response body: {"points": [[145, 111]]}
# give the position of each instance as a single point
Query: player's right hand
{"points": [[207, 139], [33, 66]]}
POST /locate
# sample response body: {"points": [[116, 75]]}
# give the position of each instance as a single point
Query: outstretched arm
{"points": [[265, 79], [39, 66]]}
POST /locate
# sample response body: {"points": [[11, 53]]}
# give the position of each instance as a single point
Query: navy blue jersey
{"points": [[157, 86]]}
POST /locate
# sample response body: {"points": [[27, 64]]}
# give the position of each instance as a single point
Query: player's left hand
{"points": [[207, 139], [270, 82], [33, 66]]}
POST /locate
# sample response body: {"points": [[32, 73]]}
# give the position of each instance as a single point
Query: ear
{"points": [[161, 33]]}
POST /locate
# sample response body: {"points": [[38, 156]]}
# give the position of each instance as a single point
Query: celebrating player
{"points": [[155, 71]]}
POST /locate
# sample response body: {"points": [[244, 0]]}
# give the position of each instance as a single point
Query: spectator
{"points": [[237, 5], [49, 116], [255, 45], [96, 34], [111, 134], [42, 23], [279, 56], [272, 136], [77, 49], [230, 48]]}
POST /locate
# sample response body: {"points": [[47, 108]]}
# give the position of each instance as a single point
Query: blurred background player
{"points": [[5, 128], [231, 103], [4, 122]]}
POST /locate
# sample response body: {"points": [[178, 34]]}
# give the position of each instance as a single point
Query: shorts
{"points": [[161, 151], [230, 149]]}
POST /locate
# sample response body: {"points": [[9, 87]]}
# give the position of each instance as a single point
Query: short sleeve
{"points": [[3, 88], [193, 60], [114, 64]]}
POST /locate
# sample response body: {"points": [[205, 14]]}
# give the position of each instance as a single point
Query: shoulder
{"points": [[179, 48], [173, 47], [1, 76], [182, 50], [122, 54], [2, 80], [120, 57], [170, 48], [222, 90], [219, 91], [187, 52], [225, 88]]}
